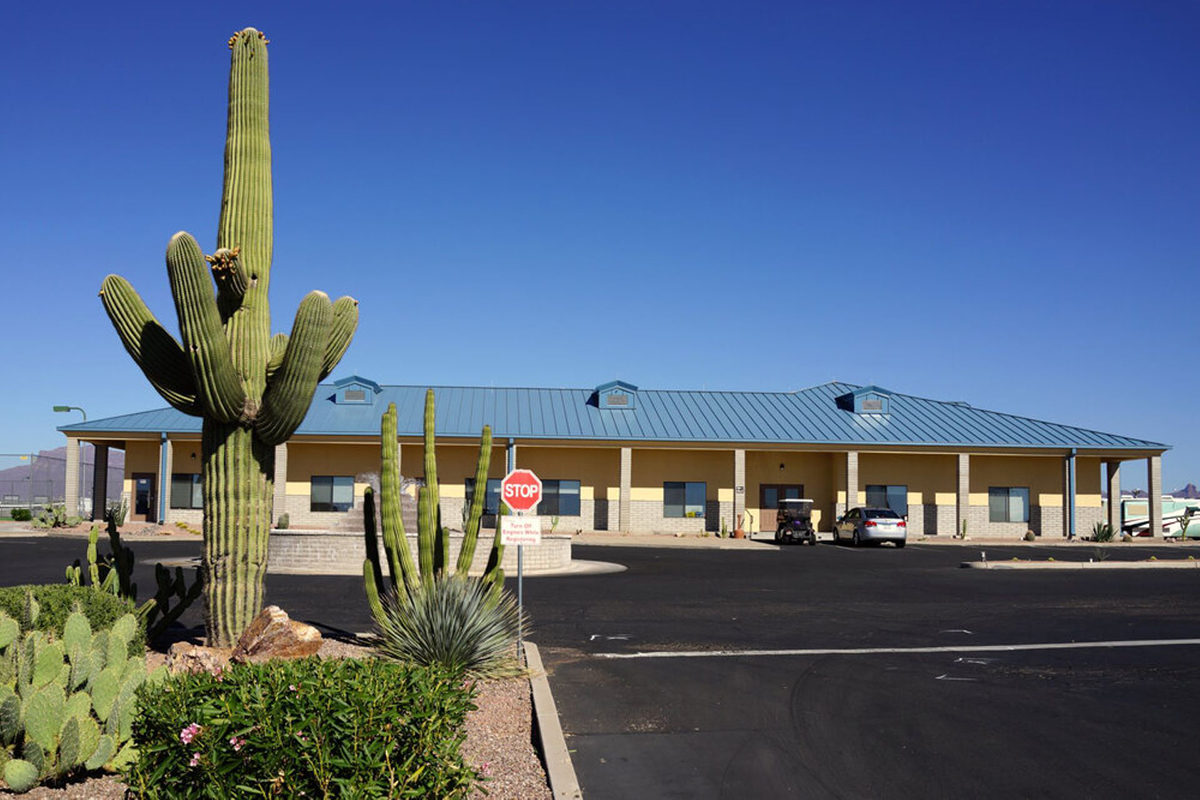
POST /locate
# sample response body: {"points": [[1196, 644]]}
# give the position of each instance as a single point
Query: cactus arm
{"points": [[231, 279], [395, 541], [471, 530], [291, 390], [152, 348], [278, 349], [92, 557], [373, 593], [371, 539], [425, 535], [431, 481], [204, 339], [345, 321]]}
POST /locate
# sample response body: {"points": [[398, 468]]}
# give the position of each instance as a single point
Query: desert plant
{"points": [[67, 704], [115, 513], [458, 622], [1102, 532], [1030, 536], [251, 389], [47, 607], [433, 541], [283, 522], [333, 728], [113, 574], [55, 516], [21, 515], [963, 534]]}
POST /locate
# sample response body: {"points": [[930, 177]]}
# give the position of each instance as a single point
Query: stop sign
{"points": [[521, 490]]}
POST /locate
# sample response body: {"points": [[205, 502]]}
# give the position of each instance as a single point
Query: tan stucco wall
{"points": [[652, 468], [306, 459], [925, 475], [815, 471], [598, 470], [1043, 475]]}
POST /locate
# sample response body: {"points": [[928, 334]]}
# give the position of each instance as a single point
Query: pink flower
{"points": [[190, 732], [195, 760], [487, 768], [292, 687], [237, 743]]}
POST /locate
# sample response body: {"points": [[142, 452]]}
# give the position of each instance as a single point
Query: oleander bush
{"points": [[305, 728], [55, 603]]}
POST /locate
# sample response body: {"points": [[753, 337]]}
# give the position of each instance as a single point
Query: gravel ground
{"points": [[499, 741]]}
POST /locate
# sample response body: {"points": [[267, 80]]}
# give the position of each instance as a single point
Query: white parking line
{"points": [[859, 651]]}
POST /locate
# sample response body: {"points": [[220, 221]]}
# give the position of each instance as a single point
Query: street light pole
{"points": [[79, 449]]}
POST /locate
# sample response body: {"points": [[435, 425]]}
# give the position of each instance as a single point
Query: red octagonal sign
{"points": [[521, 490]]}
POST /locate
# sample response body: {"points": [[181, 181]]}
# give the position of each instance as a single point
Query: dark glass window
{"points": [[684, 499], [1008, 504], [893, 497], [559, 498], [332, 493], [185, 490], [491, 500]]}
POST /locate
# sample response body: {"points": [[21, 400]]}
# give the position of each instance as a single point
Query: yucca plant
{"points": [[1102, 532], [457, 622]]}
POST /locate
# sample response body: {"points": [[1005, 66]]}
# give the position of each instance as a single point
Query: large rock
{"points": [[184, 657], [272, 634]]}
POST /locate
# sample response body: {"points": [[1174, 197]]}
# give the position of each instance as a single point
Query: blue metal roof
{"points": [[808, 416]]}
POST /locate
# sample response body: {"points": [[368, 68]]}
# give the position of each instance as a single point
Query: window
{"points": [[185, 490], [332, 493], [684, 499], [560, 498], [893, 497], [1008, 504], [491, 500]]}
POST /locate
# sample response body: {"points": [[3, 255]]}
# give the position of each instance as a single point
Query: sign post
{"points": [[521, 491]]}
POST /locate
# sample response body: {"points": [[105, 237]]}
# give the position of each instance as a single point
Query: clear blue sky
{"points": [[990, 202]]}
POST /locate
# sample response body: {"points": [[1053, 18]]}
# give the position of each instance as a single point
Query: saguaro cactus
{"points": [[433, 541], [251, 389]]}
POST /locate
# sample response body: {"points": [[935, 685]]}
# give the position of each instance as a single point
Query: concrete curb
{"points": [[559, 769], [1075, 565]]}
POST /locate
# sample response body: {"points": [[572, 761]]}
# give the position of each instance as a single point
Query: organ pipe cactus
{"points": [[251, 389], [433, 541]]}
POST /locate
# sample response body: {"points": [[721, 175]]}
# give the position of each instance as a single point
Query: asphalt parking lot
{"points": [[671, 718]]}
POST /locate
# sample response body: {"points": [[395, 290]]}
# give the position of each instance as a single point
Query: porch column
{"points": [[166, 463], [1114, 495], [71, 500], [964, 493], [100, 482], [510, 456], [739, 487], [851, 479], [1154, 490], [1072, 514], [626, 507], [279, 496]]}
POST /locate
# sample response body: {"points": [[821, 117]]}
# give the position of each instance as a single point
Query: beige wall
{"points": [[1043, 475], [652, 468], [598, 470], [926, 476]]}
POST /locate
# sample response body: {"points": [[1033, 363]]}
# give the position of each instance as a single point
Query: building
{"points": [[617, 457]]}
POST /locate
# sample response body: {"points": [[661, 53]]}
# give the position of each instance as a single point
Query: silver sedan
{"points": [[871, 526]]}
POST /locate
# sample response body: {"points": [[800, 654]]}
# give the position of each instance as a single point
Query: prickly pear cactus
{"points": [[252, 389], [58, 695]]}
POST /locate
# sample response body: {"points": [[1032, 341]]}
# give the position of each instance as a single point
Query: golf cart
{"points": [[795, 522]]}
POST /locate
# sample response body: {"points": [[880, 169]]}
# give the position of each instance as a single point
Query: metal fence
{"points": [[36, 480]]}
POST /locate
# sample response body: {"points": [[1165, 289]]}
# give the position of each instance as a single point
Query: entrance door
{"points": [[769, 495], [144, 497]]}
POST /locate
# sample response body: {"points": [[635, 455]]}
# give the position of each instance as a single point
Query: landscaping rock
{"points": [[185, 657], [272, 634]]}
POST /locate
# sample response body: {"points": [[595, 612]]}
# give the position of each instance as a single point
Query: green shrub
{"points": [[313, 728], [284, 522], [462, 624], [1102, 532], [21, 514], [56, 602]]}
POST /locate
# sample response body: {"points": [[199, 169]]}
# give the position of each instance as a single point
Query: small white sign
{"points": [[521, 530]]}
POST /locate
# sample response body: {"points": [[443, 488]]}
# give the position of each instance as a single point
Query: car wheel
{"points": [[779, 536], [856, 540], [901, 543]]}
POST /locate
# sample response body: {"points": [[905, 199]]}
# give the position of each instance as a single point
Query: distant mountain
{"points": [[47, 480], [1189, 492]]}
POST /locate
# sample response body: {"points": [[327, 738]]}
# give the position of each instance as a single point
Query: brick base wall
{"points": [[343, 553], [647, 517]]}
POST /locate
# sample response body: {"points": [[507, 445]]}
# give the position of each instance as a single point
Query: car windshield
{"points": [[880, 513]]}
